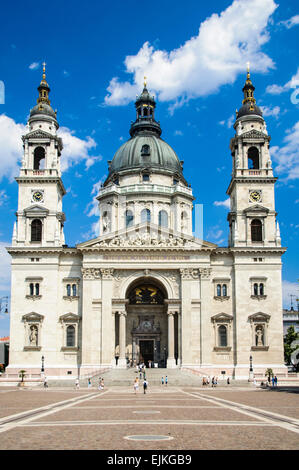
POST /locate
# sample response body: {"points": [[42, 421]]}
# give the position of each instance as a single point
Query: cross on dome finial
{"points": [[144, 81], [44, 70]]}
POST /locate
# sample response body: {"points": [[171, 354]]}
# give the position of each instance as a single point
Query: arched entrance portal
{"points": [[147, 331]]}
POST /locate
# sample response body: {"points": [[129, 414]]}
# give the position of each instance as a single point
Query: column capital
{"points": [[91, 273], [189, 273], [107, 273], [205, 273]]}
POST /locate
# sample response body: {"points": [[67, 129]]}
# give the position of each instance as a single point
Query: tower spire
{"points": [[43, 88], [248, 90]]}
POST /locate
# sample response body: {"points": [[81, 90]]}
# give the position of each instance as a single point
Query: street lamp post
{"points": [[43, 366], [250, 369]]}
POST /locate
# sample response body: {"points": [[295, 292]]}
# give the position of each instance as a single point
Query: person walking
{"points": [[144, 386], [275, 381], [162, 381], [77, 383], [99, 384], [136, 385], [45, 382], [228, 381], [166, 380], [89, 383]]}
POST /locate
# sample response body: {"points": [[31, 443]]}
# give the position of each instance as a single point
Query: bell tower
{"points": [[252, 216], [40, 218]]}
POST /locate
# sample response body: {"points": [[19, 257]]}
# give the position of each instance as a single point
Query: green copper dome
{"points": [[145, 149]]}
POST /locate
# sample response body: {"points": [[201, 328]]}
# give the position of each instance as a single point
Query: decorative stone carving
{"points": [[91, 273], [142, 240], [107, 273], [189, 273], [205, 273]]}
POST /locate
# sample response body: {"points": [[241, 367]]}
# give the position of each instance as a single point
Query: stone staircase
{"points": [[176, 377]]}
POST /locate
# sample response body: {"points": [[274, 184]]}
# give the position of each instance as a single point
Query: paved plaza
{"points": [[186, 418]]}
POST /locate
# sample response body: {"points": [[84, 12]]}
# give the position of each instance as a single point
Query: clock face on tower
{"points": [[38, 196], [255, 196]]}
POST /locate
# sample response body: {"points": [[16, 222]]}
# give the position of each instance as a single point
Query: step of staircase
{"points": [[126, 378]]}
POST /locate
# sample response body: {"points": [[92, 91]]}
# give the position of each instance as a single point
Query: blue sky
{"points": [[194, 54]]}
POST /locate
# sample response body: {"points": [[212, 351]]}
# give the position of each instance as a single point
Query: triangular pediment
{"points": [[33, 317], [254, 134], [36, 209], [222, 317], [146, 235], [257, 208], [259, 316], [69, 318]]}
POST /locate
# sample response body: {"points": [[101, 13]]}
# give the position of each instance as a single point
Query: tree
{"points": [[289, 347]]}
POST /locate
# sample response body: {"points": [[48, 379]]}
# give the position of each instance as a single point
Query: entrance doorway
{"points": [[146, 351]]}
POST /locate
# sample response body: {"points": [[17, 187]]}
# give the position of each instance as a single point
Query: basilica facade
{"points": [[146, 290]]}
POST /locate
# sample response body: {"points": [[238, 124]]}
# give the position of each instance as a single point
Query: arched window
{"points": [[68, 290], [255, 289], [145, 177], [224, 290], [222, 336], [261, 289], [36, 230], [145, 215], [70, 336], [39, 155], [256, 231], [74, 290], [145, 150], [129, 218], [31, 288], [253, 158], [218, 290], [163, 219], [36, 289]]}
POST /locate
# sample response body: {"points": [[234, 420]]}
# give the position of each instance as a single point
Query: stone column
{"points": [[179, 338], [206, 294], [91, 330], [107, 328], [122, 363], [187, 276], [170, 359]]}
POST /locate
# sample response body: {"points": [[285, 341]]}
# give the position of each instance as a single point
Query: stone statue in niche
{"points": [[33, 336], [259, 336]]}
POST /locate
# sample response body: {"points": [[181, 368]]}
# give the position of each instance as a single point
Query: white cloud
{"points": [[178, 132], [278, 89], [225, 42], [225, 203], [34, 66], [287, 156], [268, 111], [290, 22], [3, 196], [75, 150], [5, 269], [11, 146], [228, 122]]}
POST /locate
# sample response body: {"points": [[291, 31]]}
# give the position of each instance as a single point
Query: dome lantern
{"points": [[145, 114]]}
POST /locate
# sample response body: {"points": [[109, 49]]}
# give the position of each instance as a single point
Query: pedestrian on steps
{"points": [[136, 385], [162, 381]]}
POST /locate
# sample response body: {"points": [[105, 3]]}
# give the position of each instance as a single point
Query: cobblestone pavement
{"points": [[188, 418]]}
